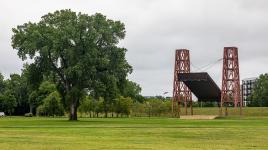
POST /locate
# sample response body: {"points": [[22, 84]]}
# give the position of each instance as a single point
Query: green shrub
{"points": [[52, 106]]}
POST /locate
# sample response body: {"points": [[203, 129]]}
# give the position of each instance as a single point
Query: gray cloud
{"points": [[155, 28]]}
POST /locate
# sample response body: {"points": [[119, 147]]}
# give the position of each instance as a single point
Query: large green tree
{"points": [[79, 50]]}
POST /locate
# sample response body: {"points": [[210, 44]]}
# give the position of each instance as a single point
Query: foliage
{"points": [[52, 105], [87, 105], [123, 105], [2, 83], [79, 50], [260, 92], [7, 102], [157, 107], [38, 95], [33, 100], [152, 107], [37, 98], [138, 109], [133, 90], [205, 104], [99, 106], [18, 87]]}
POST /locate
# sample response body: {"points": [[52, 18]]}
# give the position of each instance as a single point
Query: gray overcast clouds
{"points": [[155, 28]]}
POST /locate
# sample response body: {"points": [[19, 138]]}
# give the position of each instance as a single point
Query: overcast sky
{"points": [[155, 28]]}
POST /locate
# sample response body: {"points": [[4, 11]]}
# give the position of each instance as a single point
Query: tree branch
{"points": [[55, 68]]}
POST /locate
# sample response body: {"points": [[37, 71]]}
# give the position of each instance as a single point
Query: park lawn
{"points": [[20, 133]]}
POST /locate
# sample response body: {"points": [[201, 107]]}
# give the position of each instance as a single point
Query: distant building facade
{"points": [[247, 89]]}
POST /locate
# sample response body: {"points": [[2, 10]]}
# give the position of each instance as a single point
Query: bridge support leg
{"points": [[230, 91], [181, 93]]}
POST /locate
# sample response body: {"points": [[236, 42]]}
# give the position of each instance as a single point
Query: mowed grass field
{"points": [[21, 133]]}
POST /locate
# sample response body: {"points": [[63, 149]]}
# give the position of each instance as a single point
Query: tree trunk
{"points": [[106, 113], [73, 111], [31, 108]]}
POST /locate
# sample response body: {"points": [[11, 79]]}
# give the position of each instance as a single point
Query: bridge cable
{"points": [[207, 66]]}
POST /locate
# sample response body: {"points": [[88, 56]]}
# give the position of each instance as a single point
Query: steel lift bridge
{"points": [[203, 86]]}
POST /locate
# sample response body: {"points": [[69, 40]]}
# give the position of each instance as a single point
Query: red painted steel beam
{"points": [[181, 93], [230, 92]]}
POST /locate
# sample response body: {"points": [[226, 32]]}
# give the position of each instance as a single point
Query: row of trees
{"points": [[122, 107], [93, 108], [18, 96]]}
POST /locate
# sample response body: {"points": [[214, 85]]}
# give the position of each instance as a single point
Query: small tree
{"points": [[138, 109], [99, 106], [52, 105], [127, 105], [86, 106]]}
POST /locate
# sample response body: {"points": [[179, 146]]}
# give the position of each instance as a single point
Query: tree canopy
{"points": [[79, 51]]}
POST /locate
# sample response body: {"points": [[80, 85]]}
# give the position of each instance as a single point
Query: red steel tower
{"points": [[230, 92], [181, 93]]}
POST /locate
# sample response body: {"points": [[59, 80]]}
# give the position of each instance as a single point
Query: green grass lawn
{"points": [[20, 133]]}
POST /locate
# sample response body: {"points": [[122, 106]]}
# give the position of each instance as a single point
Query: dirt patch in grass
{"points": [[200, 117]]}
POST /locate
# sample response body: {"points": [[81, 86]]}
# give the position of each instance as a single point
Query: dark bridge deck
{"points": [[202, 85]]}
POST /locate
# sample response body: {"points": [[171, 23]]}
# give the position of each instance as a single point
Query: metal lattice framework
{"points": [[230, 92], [181, 93]]}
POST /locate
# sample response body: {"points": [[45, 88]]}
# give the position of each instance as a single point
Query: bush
{"points": [[52, 106], [123, 105], [28, 114], [40, 111]]}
